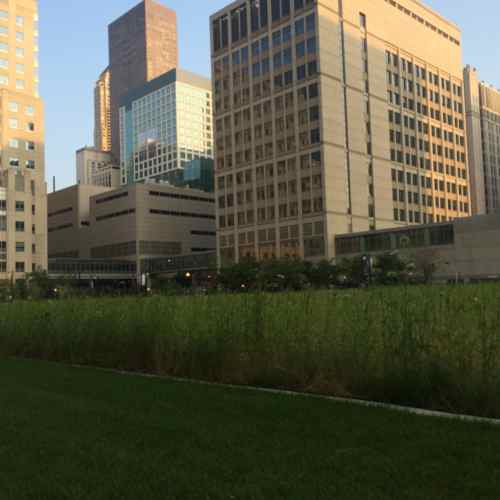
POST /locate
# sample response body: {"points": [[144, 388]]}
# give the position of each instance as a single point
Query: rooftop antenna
{"points": [[54, 184]]}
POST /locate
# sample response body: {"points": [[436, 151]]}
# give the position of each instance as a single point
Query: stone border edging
{"points": [[359, 402]]}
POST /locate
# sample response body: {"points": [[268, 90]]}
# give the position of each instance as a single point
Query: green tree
{"points": [[321, 275], [285, 274], [38, 284], [389, 269], [239, 277]]}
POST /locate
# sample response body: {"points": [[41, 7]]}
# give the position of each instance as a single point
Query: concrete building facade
{"points": [[142, 46], [102, 112], [23, 191], [69, 221], [464, 249], [164, 124], [482, 107], [330, 119], [97, 168], [136, 222]]}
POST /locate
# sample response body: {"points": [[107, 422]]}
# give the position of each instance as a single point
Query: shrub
{"points": [[432, 347]]}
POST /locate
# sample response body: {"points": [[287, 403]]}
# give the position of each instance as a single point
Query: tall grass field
{"points": [[430, 347]]}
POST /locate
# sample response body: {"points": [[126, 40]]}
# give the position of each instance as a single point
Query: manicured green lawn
{"points": [[69, 433]]}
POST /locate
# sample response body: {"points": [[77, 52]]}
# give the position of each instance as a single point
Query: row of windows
{"points": [[411, 179], [283, 167], [414, 198], [115, 215], [203, 233], [181, 196], [14, 108], [262, 110], [20, 267], [422, 127], [409, 86], [281, 82], [60, 228], [268, 193], [16, 163], [258, 13], [4, 15], [61, 211], [174, 213], [423, 74], [112, 198], [408, 103], [14, 124], [268, 214]]}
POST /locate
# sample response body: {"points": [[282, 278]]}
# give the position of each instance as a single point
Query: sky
{"points": [[74, 50]]}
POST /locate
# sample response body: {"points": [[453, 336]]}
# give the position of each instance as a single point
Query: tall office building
{"points": [[23, 192], [102, 112], [164, 124], [334, 116], [142, 46], [482, 108]]}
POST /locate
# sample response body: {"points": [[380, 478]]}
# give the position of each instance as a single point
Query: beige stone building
{"points": [[137, 222], [334, 116], [69, 221], [464, 249], [23, 192], [482, 107], [97, 168], [102, 112]]}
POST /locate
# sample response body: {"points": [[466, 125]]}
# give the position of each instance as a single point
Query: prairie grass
{"points": [[430, 347]]}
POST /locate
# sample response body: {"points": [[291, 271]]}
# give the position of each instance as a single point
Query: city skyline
{"points": [[85, 49]]}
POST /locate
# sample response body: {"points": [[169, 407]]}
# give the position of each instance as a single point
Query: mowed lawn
{"points": [[70, 433]]}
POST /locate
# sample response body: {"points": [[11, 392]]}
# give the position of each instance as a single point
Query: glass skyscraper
{"points": [[164, 125]]}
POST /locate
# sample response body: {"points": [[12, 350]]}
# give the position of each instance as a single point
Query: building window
{"points": [[19, 247], [19, 267], [19, 226], [19, 206]]}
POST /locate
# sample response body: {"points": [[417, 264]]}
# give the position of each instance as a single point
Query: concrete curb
{"points": [[358, 402]]}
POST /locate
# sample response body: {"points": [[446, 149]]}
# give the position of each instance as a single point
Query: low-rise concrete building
{"points": [[464, 249], [69, 220], [97, 168], [136, 222]]}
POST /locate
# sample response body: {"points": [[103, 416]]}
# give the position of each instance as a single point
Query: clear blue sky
{"points": [[73, 44]]}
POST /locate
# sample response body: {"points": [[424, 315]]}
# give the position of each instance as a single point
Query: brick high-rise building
{"points": [[102, 112], [332, 117], [23, 191], [142, 46]]}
